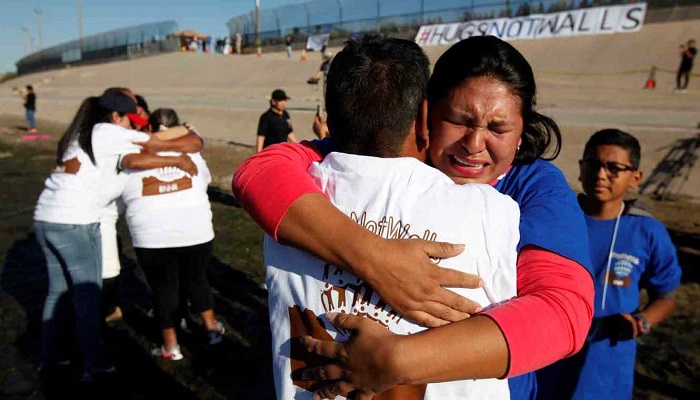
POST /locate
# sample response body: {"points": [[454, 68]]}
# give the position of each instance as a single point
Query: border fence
{"points": [[339, 18], [124, 43], [399, 18]]}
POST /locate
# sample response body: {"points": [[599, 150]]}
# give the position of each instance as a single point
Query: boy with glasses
{"points": [[630, 250]]}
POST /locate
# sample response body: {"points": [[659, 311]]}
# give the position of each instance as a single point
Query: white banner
{"points": [[586, 21], [317, 42]]}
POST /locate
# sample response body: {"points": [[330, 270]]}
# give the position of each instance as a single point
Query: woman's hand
{"points": [[405, 277], [400, 270], [186, 164], [358, 364], [320, 127]]}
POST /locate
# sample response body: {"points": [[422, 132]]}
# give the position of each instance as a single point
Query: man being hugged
{"points": [[377, 114]]}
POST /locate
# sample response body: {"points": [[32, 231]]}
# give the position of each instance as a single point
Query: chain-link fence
{"points": [[122, 43], [400, 18]]}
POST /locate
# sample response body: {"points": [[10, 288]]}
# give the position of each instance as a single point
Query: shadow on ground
{"points": [[688, 246], [237, 368]]}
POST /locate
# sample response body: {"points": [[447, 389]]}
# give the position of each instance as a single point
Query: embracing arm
{"points": [[550, 318], [547, 322], [188, 143], [140, 161], [275, 189]]}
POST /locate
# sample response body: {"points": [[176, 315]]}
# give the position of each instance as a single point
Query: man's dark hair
{"points": [[491, 57], [618, 138], [374, 91], [30, 87]]}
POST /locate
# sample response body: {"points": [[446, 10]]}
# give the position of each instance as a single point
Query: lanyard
{"points": [[610, 254]]}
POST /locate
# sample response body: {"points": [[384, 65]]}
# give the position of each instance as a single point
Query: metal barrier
{"points": [[117, 44], [342, 18]]}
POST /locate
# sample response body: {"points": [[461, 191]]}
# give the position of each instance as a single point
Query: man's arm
{"points": [[141, 161], [183, 144], [172, 133], [659, 308], [262, 130]]}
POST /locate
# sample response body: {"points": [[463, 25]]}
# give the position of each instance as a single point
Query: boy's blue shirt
{"points": [[643, 257]]}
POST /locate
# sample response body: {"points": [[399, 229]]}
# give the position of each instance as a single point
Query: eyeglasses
{"points": [[612, 168]]}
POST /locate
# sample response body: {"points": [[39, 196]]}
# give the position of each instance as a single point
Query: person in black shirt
{"points": [[275, 125], [688, 53], [29, 98]]}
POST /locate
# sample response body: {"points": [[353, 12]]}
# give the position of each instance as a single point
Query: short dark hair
{"points": [[163, 116], [374, 91], [30, 87], [489, 56], [618, 138], [141, 102]]}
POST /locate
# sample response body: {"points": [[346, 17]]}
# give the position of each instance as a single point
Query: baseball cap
{"points": [[116, 100], [279, 94], [137, 120]]}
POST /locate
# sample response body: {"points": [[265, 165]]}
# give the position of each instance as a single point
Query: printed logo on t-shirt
{"points": [[345, 293], [621, 271], [71, 166], [165, 180], [153, 186]]}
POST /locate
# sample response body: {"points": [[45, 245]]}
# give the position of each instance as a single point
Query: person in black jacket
{"points": [[275, 125], [29, 98]]}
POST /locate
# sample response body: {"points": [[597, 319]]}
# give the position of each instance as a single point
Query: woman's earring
{"points": [[517, 150]]}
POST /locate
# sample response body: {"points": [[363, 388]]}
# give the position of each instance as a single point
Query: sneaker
{"points": [[173, 354], [216, 334], [31, 130]]}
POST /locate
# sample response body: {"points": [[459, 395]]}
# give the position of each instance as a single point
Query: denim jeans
{"points": [[74, 263], [30, 118]]}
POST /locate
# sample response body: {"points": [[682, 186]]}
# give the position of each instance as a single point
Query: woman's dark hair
{"points": [[80, 129], [618, 138], [489, 56], [163, 116]]}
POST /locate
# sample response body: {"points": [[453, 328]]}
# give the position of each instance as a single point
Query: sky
{"points": [[59, 19]]}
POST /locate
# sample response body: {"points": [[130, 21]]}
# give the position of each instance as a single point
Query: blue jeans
{"points": [[74, 263], [30, 118]]}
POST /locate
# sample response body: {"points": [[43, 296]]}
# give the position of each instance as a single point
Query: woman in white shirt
{"points": [[66, 220], [170, 221]]}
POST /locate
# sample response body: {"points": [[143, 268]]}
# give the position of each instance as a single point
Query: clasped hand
{"points": [[406, 277]]}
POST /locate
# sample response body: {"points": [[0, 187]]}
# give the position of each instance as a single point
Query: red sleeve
{"points": [[267, 183], [551, 316]]}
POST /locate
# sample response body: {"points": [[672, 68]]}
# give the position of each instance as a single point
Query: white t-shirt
{"points": [[394, 198], [78, 191], [166, 207]]}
